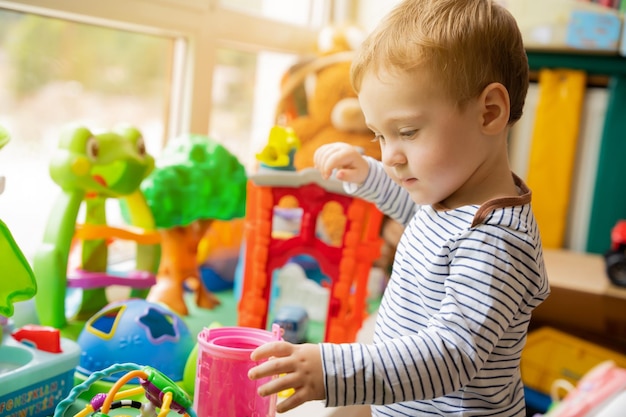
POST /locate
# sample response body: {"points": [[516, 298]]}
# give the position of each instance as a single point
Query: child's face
{"points": [[429, 146]]}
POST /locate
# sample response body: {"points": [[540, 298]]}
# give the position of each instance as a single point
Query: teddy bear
{"points": [[319, 104], [318, 101]]}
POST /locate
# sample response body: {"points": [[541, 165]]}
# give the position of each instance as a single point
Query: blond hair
{"points": [[464, 44]]}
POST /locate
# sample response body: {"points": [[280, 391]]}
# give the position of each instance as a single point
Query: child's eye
{"points": [[378, 138], [407, 134]]}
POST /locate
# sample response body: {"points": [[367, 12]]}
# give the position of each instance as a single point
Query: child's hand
{"points": [[302, 366], [348, 162]]}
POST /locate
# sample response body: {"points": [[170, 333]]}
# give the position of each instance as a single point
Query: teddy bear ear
{"points": [[338, 38]]}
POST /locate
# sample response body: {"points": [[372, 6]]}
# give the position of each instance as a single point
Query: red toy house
{"points": [[347, 265]]}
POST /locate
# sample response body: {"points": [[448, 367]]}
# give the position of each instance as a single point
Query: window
{"points": [[245, 90], [301, 12], [167, 67], [54, 72]]}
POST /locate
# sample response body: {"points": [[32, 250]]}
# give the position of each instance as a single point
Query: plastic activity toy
{"points": [[135, 331], [19, 283], [292, 286], [280, 150], [91, 168], [347, 266], [294, 322], [222, 387], [36, 364], [45, 338], [162, 394], [196, 182], [32, 380]]}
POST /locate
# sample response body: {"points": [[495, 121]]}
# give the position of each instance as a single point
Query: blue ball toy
{"points": [[135, 331]]}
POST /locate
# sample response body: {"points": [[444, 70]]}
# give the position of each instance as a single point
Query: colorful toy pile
{"points": [[194, 183]]}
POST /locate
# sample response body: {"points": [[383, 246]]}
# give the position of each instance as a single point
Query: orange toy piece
{"points": [[100, 231], [347, 265]]}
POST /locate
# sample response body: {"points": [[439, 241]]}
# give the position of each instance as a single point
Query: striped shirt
{"points": [[454, 316]]}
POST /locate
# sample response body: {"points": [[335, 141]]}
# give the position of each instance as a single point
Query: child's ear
{"points": [[496, 108]]}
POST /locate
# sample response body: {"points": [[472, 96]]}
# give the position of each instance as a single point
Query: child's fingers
{"points": [[291, 402], [267, 350], [322, 159], [278, 361], [281, 383], [271, 367], [320, 154]]}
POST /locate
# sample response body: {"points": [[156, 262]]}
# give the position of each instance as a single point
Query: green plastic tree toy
{"points": [[196, 181]]}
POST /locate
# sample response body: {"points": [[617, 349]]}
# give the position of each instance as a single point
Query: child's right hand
{"points": [[299, 366], [347, 162]]}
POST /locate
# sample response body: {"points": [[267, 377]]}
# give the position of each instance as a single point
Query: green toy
{"points": [[196, 181], [18, 282], [91, 168], [4, 137]]}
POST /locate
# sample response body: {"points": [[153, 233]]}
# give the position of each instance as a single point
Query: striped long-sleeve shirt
{"points": [[454, 316]]}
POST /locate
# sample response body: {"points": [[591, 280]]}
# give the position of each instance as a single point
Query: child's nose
{"points": [[393, 155]]}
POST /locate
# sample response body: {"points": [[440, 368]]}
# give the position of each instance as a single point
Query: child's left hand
{"points": [[302, 368]]}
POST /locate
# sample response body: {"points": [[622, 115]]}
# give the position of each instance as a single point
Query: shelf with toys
{"points": [[583, 299], [573, 47], [576, 192]]}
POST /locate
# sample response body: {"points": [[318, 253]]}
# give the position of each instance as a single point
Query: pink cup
{"points": [[223, 388]]}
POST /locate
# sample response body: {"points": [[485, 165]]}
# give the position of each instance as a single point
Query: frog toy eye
{"points": [[92, 148], [141, 146]]}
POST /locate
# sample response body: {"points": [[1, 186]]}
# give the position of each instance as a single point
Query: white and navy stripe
{"points": [[454, 317]]}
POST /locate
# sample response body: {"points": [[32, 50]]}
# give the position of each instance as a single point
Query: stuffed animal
{"points": [[318, 102]]}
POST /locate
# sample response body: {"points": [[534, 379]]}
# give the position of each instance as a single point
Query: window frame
{"points": [[199, 28]]}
